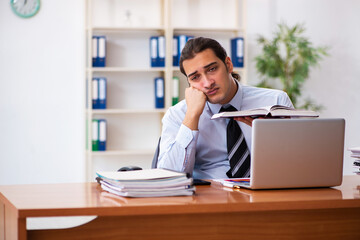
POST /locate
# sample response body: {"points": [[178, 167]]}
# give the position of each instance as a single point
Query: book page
{"points": [[146, 174], [293, 113]]}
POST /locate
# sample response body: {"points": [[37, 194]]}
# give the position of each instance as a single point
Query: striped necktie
{"points": [[238, 152]]}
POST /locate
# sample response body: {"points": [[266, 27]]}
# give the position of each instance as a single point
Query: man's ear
{"points": [[229, 64]]}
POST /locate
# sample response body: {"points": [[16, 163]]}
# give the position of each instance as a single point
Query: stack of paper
{"points": [[146, 183], [355, 153], [234, 182]]}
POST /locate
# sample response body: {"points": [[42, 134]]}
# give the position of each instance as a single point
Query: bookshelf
{"points": [[133, 122]]}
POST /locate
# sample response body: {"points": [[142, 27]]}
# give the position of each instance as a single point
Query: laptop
{"points": [[296, 153]]}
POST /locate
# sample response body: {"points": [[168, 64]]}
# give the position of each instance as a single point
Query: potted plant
{"points": [[287, 58]]}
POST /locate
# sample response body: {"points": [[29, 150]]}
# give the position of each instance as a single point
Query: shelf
{"points": [[132, 119], [200, 29], [125, 69], [126, 111], [121, 152], [126, 29]]}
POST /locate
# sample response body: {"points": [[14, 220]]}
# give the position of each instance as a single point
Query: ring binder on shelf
{"points": [[237, 51], [159, 92]]}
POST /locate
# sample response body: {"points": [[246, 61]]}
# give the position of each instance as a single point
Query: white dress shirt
{"points": [[203, 153]]}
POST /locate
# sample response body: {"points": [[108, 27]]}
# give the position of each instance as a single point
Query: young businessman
{"points": [[190, 141]]}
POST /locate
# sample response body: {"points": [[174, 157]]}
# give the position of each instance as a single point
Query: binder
{"points": [[102, 93], [175, 95], [99, 51], [102, 134], [182, 39], [153, 51], [94, 51], [95, 93], [175, 51], [161, 51], [159, 92], [237, 51], [95, 135]]}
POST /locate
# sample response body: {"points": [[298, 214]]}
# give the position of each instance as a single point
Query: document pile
{"points": [[146, 183], [355, 153]]}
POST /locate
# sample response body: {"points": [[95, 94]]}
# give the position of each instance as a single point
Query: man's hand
{"points": [[195, 101]]}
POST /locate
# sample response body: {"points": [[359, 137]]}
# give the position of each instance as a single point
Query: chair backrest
{"points": [[156, 155]]}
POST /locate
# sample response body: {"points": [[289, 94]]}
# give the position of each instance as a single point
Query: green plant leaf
{"points": [[288, 57]]}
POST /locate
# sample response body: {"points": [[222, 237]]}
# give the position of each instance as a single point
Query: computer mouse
{"points": [[129, 168]]}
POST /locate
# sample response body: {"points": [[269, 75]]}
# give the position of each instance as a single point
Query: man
{"points": [[190, 141]]}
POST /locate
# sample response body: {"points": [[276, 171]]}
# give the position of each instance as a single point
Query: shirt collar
{"points": [[236, 101]]}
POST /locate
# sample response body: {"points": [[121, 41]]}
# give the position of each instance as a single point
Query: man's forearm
{"points": [[178, 154]]}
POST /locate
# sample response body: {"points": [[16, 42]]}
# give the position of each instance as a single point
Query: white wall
{"points": [[336, 83], [42, 95]]}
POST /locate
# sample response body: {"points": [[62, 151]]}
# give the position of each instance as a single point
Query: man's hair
{"points": [[197, 45]]}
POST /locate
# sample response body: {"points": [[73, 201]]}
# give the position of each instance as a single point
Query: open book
{"points": [[268, 111]]}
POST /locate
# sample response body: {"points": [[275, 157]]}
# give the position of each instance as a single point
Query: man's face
{"points": [[207, 73]]}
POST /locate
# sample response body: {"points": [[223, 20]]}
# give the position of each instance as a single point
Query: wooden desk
{"points": [[213, 213]]}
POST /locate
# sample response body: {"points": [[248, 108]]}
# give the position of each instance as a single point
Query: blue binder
{"points": [[159, 92], [99, 93], [102, 134], [175, 51], [161, 51], [99, 51], [102, 93], [154, 51], [182, 39], [237, 51], [94, 51], [95, 93]]}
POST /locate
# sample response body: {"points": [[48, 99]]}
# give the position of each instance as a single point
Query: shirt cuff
{"points": [[185, 136]]}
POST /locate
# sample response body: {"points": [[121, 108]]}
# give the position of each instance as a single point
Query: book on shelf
{"points": [[146, 183], [268, 111]]}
